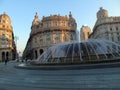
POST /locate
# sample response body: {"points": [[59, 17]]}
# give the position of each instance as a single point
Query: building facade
{"points": [[106, 27], [7, 44], [85, 31], [49, 31]]}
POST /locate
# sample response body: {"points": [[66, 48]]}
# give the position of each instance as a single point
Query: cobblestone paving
{"points": [[21, 79]]}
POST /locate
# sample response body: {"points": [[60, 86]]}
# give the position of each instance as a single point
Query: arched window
{"points": [[36, 54], [3, 56], [41, 51], [7, 55]]}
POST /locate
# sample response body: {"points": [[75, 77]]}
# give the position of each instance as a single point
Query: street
{"points": [[12, 78]]}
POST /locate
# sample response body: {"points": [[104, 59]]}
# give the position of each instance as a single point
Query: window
{"points": [[41, 41], [3, 36], [3, 26], [71, 36], [3, 21], [116, 28], [6, 21], [37, 26], [3, 31], [35, 40], [111, 33], [118, 38], [112, 39], [88, 33], [47, 24], [117, 33], [56, 23], [110, 29]]}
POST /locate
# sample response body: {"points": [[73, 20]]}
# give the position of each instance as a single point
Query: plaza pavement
{"points": [[12, 78]]}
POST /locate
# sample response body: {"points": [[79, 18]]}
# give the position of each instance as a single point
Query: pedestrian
{"points": [[5, 61], [22, 60], [26, 60]]}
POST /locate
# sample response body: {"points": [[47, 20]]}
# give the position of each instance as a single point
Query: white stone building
{"points": [[106, 27], [49, 31]]}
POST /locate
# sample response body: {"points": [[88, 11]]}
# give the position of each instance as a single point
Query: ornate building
{"points": [[49, 31], [106, 27], [85, 31], [7, 44]]}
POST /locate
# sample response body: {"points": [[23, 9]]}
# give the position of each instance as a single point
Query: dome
{"points": [[5, 17]]}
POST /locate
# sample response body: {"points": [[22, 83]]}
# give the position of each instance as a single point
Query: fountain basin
{"points": [[78, 55], [78, 52], [71, 66]]}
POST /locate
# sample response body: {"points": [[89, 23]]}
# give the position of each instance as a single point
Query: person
{"points": [[22, 60], [26, 60], [5, 61]]}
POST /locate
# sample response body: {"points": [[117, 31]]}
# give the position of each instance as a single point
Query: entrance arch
{"points": [[7, 55], [3, 56], [41, 51], [36, 54]]}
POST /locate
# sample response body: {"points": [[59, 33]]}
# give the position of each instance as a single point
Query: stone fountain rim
{"points": [[103, 64]]}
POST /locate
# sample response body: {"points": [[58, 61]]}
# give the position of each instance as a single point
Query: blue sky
{"points": [[22, 13]]}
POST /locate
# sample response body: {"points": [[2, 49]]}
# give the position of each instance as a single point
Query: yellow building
{"points": [[7, 45], [49, 31]]}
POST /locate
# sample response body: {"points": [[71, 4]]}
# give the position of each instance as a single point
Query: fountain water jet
{"points": [[78, 52], [93, 53]]}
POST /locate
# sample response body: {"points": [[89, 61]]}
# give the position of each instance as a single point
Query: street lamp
{"points": [[16, 38]]}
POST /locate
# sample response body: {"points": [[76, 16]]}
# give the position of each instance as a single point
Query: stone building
{"points": [[7, 44], [49, 31], [106, 27], [85, 31]]}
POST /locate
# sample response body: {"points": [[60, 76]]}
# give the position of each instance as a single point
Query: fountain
{"points": [[91, 51], [78, 52]]}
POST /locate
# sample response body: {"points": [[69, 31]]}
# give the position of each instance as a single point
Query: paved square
{"points": [[12, 78]]}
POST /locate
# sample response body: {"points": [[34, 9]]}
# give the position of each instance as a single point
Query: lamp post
{"points": [[16, 38]]}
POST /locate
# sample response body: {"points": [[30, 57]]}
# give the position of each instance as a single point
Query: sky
{"points": [[22, 13]]}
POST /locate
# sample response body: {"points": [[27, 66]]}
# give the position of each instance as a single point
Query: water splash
{"points": [[72, 52]]}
